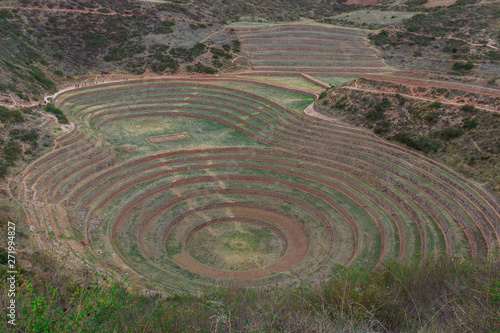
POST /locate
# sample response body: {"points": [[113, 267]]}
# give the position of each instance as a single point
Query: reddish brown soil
{"points": [[169, 137], [362, 2]]}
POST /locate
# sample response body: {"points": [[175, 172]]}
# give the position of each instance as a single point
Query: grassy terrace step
{"points": [[305, 50], [305, 66], [253, 163], [308, 56]]}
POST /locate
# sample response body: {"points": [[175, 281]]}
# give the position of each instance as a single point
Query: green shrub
{"points": [[61, 118], [447, 133], [468, 108], [11, 152], [378, 111], [217, 63], [37, 74], [493, 55], [165, 27], [417, 142], [4, 255], [209, 70], [124, 50], [220, 53], [12, 116], [5, 14], [455, 46], [382, 38], [24, 135], [188, 55], [462, 66], [164, 61], [470, 124], [435, 105], [432, 116], [3, 169]]}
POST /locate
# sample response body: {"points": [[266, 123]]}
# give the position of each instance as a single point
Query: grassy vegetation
{"points": [[20, 139], [451, 134], [61, 117], [447, 294], [143, 208]]}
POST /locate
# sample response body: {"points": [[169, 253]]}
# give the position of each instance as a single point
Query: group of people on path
{"points": [[78, 85]]}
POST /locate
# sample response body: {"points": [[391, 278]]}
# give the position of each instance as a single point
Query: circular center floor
{"points": [[237, 246]]}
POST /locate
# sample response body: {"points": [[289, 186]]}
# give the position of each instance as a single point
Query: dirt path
{"points": [[447, 37], [213, 34], [417, 97], [111, 13]]}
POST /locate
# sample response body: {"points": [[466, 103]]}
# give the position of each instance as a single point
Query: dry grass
{"points": [[433, 295]]}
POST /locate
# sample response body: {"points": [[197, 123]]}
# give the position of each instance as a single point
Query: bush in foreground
{"points": [[450, 294]]}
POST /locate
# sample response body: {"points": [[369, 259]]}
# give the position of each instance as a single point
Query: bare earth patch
{"points": [[169, 137]]}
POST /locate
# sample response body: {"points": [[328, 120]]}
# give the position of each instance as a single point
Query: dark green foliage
{"points": [[382, 38], [61, 118], [419, 40], [164, 61], [200, 68], [493, 55], [94, 39], [413, 4], [447, 133], [12, 116], [196, 26], [209, 70], [468, 108], [11, 153], [37, 74], [4, 255], [24, 134], [3, 169], [236, 45], [456, 46], [136, 66], [164, 27], [377, 113], [432, 116], [382, 127], [470, 124], [59, 72], [462, 66], [411, 296], [435, 105], [5, 14], [188, 55], [124, 50], [220, 53], [217, 63], [417, 142], [323, 94], [464, 2]]}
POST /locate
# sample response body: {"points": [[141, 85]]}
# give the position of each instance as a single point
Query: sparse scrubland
{"points": [[430, 295]]}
